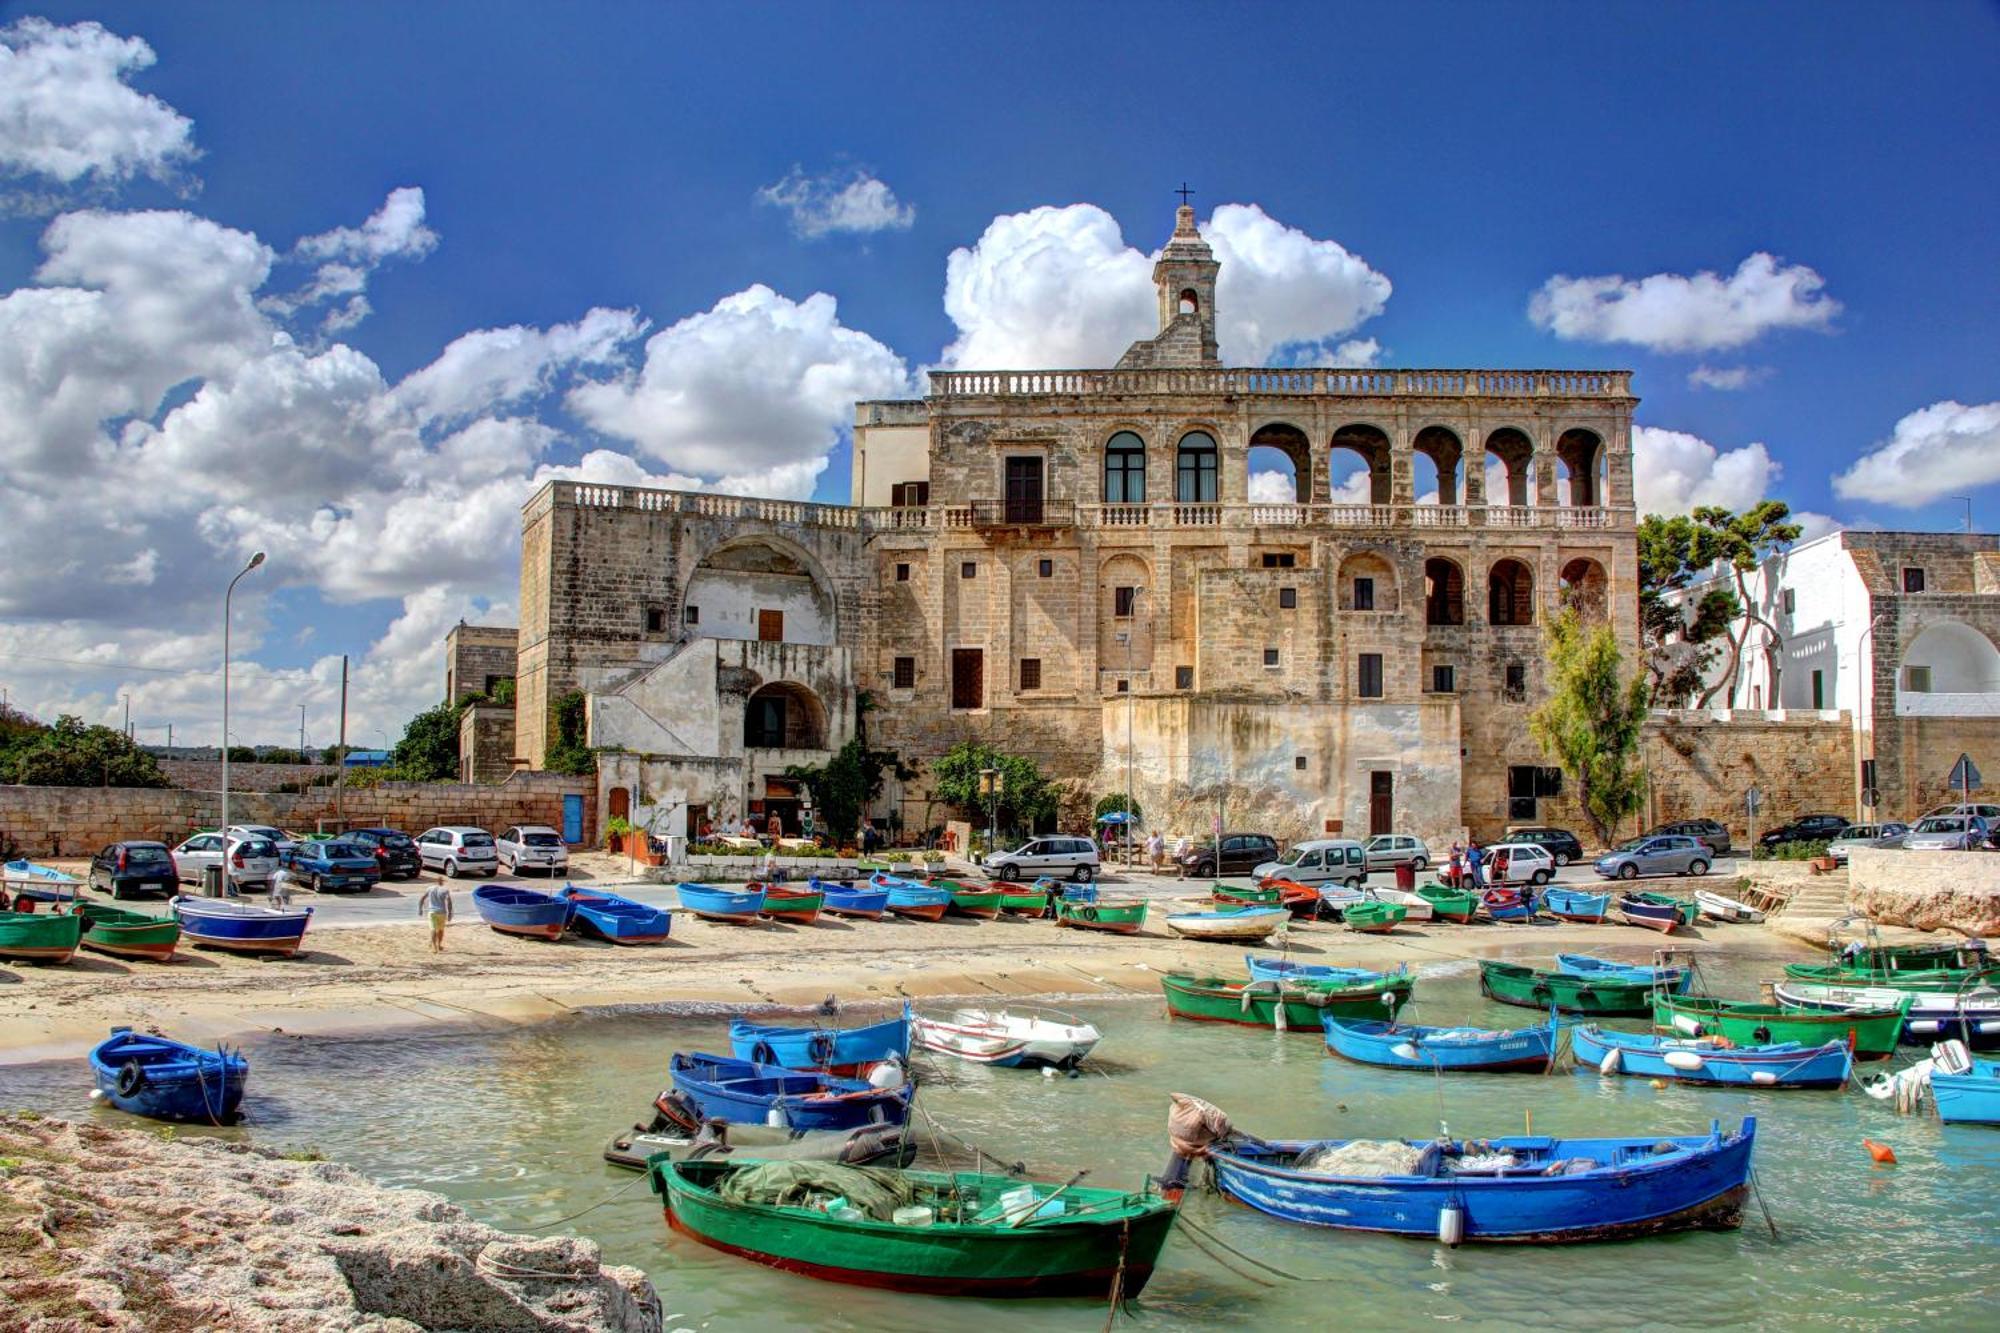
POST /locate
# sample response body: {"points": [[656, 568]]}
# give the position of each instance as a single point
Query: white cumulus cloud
{"points": [[834, 201], [345, 257], [1281, 290], [67, 113], [1674, 472], [1944, 449], [1672, 312], [1727, 379]]}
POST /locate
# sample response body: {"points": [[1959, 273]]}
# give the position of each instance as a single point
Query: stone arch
{"points": [[1190, 301], [1134, 650], [1580, 462], [1510, 593], [1516, 453], [1954, 657], [784, 715], [1446, 453], [1371, 444], [1283, 438], [754, 573], [1197, 468], [1585, 588], [1444, 591], [1378, 593], [1123, 475]]}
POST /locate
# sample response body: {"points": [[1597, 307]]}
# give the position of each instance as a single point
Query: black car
{"points": [[1241, 853], [1707, 831], [1559, 843], [134, 867], [394, 850], [1806, 828]]}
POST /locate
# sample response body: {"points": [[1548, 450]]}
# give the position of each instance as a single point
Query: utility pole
{"points": [[302, 730], [170, 736], [340, 752], [128, 715]]}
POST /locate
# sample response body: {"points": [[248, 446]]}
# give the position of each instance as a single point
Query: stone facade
{"points": [[485, 743], [478, 657]]}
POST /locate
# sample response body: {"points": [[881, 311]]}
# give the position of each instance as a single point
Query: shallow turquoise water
{"points": [[510, 1124]]}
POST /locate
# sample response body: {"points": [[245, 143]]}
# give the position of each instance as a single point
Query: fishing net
{"points": [[876, 1192], [1193, 1124], [1366, 1158]]}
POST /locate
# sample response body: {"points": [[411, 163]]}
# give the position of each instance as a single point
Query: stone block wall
{"points": [[486, 743], [1951, 891], [476, 657], [206, 774]]}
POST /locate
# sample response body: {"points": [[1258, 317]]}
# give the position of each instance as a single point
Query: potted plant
{"points": [[616, 830]]}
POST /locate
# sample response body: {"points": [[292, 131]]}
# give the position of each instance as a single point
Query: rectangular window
{"points": [[1270, 657], [968, 570], [1280, 560], [1031, 673], [1444, 680], [1515, 683], [1124, 687], [1288, 598], [1371, 676], [694, 615], [1299, 763], [1364, 594], [656, 620], [1788, 600], [968, 678], [902, 573], [1183, 678], [1917, 679], [1521, 785], [1819, 689], [905, 674], [1023, 489], [1046, 569], [1913, 578], [1122, 600], [910, 494], [1548, 782]]}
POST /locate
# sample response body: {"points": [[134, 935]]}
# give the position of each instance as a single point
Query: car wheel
{"points": [[1697, 867], [1419, 864], [1628, 871], [315, 885], [1082, 874], [1562, 859], [451, 869], [1539, 878]]}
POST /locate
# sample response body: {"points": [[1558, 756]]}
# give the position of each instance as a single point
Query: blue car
{"points": [[334, 866]]}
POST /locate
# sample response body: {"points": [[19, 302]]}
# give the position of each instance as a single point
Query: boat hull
{"points": [[1968, 1099], [1639, 1056], [800, 906], [981, 904], [615, 919], [737, 1090], [1663, 916], [260, 930], [1531, 989], [522, 912], [175, 1081], [1017, 903], [862, 904], [1931, 1016], [1450, 904], [1257, 1005], [919, 902], [1427, 1049], [983, 1040], [738, 907], [1571, 905], [1675, 979], [122, 934], [835, 1050], [1872, 1035], [1254, 924], [40, 937], [1117, 918], [1374, 918]]}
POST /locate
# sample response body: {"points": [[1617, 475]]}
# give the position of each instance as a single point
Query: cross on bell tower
{"points": [[1184, 276]]}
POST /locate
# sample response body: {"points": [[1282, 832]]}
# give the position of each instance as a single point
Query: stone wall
{"points": [[206, 774], [1956, 891], [478, 656], [486, 743], [75, 821]]}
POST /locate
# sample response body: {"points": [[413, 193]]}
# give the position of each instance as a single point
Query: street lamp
{"points": [[1130, 630], [1864, 667], [255, 561], [989, 783]]}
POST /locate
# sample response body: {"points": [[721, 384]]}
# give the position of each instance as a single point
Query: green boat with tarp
{"points": [[936, 1233], [1896, 978], [1873, 1033], [39, 937], [1511, 983], [127, 934], [1289, 1005], [971, 899]]}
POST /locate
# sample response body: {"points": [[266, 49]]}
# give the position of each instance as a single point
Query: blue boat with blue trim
{"points": [[747, 1093], [1575, 904], [923, 902], [1263, 967], [223, 923], [1711, 1060], [1666, 976], [165, 1079], [833, 1050], [528, 913], [737, 906], [1971, 1098], [615, 919], [1410, 1046], [864, 901]]}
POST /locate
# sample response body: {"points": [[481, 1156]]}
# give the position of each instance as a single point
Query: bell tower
{"points": [[1185, 278]]}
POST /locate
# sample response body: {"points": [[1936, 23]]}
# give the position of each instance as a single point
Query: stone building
{"points": [[477, 658], [1070, 564]]}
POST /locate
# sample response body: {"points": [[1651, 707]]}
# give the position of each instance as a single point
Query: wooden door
{"points": [[1381, 802], [771, 626], [1024, 490], [968, 678]]}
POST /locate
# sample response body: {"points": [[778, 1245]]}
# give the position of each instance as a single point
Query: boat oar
{"points": [[1036, 1205]]}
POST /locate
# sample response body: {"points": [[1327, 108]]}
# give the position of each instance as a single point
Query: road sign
{"points": [[1753, 800], [1965, 774], [1871, 797]]}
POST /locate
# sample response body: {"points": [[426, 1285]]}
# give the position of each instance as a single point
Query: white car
{"points": [[1074, 857], [1517, 863], [458, 849], [251, 860], [526, 847], [1320, 861], [277, 837]]}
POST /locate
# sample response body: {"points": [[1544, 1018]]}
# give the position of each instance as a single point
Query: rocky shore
{"points": [[124, 1229]]}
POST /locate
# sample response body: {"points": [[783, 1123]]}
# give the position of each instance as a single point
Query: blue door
{"points": [[572, 819]]}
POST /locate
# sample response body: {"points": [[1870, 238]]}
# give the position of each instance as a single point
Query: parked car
{"points": [[1516, 862], [1865, 835], [1320, 861], [1708, 832], [277, 837], [395, 851], [134, 867], [1806, 828], [458, 849], [1076, 858], [1386, 851], [526, 847], [1947, 833], [1559, 843], [1667, 854], [1989, 813], [334, 864], [1238, 854], [249, 862]]}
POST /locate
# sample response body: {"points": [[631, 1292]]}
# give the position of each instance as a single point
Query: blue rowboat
{"points": [[746, 1093], [1971, 1098], [712, 904], [1575, 904], [1263, 968], [167, 1079], [833, 1050], [525, 912], [617, 920], [219, 923], [866, 901], [909, 898], [1788, 1064], [1508, 904], [42, 884], [1528, 1190], [1584, 965], [1404, 1046], [1656, 911]]}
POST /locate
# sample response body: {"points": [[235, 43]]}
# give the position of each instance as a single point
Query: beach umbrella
{"points": [[1116, 817]]}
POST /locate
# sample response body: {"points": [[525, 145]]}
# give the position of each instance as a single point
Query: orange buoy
{"points": [[1883, 1154]]}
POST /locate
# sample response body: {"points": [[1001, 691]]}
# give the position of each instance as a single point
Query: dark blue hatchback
{"points": [[335, 866]]}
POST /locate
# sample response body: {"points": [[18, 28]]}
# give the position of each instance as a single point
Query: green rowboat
{"points": [[1511, 983], [40, 937], [1118, 918], [1896, 978], [1873, 1032], [1257, 896], [1459, 905], [969, 901], [125, 934], [1028, 902], [964, 1234], [1969, 955], [1258, 1004], [1374, 918]]}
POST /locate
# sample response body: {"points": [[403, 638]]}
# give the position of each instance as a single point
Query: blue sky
{"points": [[611, 158]]}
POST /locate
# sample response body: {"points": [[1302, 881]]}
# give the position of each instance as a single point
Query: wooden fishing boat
{"points": [[166, 1079], [1459, 905], [1508, 904], [739, 1090], [633, 1149], [1374, 918], [1667, 975], [920, 902], [1117, 918], [972, 900], [1371, 1041], [1574, 904], [615, 919], [1947, 979], [782, 902], [738, 907], [1872, 1035], [1243, 923], [864, 902], [529, 913], [1289, 1006], [1971, 1016], [1712, 1060], [962, 1234], [1656, 911], [1970, 1098], [43, 884], [1720, 907], [1301, 900], [219, 923], [1965, 954], [1416, 905], [1511, 983], [844, 1051], [1518, 1190], [1335, 898], [40, 937], [1011, 1038], [1023, 902], [126, 934], [1263, 967]]}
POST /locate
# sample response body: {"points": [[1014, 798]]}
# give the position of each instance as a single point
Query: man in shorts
{"points": [[435, 903]]}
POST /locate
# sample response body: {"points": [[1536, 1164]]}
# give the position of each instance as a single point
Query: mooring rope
{"points": [[639, 1179]]}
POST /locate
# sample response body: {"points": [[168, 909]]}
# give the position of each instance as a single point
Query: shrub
{"points": [[1790, 851]]}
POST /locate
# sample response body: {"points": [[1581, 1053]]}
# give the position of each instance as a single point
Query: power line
{"points": [[112, 666]]}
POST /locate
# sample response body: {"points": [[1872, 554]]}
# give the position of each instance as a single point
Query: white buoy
{"points": [[1686, 1061], [888, 1074], [1403, 1050], [1611, 1061], [1691, 1026], [775, 1117], [97, 1094], [1048, 1071], [1451, 1224], [1763, 1077]]}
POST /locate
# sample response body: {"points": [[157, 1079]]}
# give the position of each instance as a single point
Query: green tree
{"points": [[428, 751], [1680, 648], [843, 787], [1026, 795], [567, 752], [70, 754], [1591, 721], [1745, 540]]}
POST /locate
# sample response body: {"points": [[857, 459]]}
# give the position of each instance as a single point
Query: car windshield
{"points": [[342, 849], [1631, 846], [394, 840], [1943, 824], [145, 855], [479, 840], [1292, 857], [256, 847], [541, 840]]}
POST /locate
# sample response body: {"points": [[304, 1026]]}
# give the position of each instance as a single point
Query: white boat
{"points": [[1339, 897], [1717, 907], [1420, 908], [1971, 1015], [1250, 923], [1009, 1038]]}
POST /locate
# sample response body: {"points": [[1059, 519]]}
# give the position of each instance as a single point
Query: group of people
{"points": [[1153, 848], [1469, 865]]}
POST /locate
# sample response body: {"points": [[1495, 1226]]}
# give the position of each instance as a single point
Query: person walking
{"points": [[1156, 850], [435, 903]]}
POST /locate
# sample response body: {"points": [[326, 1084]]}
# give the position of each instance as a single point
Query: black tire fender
{"points": [[131, 1078]]}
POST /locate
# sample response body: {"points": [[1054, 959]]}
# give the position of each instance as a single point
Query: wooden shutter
{"points": [[771, 626], [968, 677]]}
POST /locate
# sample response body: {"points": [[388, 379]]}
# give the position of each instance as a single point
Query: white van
{"points": [[1320, 861]]}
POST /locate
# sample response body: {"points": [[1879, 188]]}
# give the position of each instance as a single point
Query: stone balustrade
{"points": [[1284, 382]]}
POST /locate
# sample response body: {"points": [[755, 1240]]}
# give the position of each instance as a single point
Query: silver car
{"points": [[458, 849], [250, 861], [1386, 851], [1074, 857], [526, 847], [1865, 835], [1667, 854], [1947, 833]]}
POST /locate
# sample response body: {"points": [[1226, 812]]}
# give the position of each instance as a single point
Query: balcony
{"points": [[1009, 514], [1284, 382]]}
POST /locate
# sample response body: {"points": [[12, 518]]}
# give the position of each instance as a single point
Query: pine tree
{"points": [[1591, 722]]}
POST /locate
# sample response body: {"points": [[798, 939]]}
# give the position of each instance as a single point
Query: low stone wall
{"points": [[206, 774], [1957, 891], [76, 821]]}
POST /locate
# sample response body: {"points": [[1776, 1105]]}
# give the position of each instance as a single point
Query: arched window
{"points": [[1194, 469], [1444, 592], [1125, 470], [1510, 594], [1190, 303]]}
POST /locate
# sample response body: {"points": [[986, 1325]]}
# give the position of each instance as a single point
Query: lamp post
{"points": [[1867, 709], [1130, 630], [989, 782], [255, 561]]}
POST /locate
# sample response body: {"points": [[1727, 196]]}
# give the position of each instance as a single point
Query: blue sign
{"points": [[1965, 774]]}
